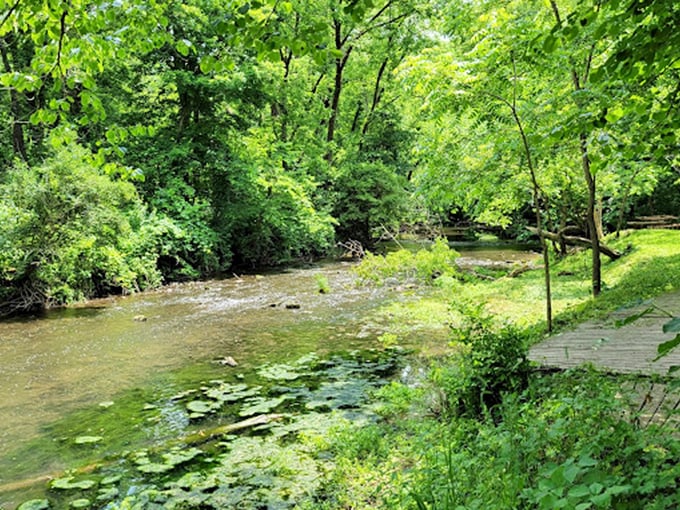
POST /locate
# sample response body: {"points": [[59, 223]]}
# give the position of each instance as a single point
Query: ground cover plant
{"points": [[482, 430]]}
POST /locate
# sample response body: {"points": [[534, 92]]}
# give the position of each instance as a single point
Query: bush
{"points": [[68, 231], [424, 266], [491, 364]]}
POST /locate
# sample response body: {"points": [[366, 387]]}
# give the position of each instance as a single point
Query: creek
{"points": [[82, 374]]}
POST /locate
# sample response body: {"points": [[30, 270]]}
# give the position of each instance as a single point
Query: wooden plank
{"points": [[628, 349]]}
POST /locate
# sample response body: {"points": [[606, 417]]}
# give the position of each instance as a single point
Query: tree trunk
{"points": [[577, 82], [340, 63], [590, 216], [537, 206]]}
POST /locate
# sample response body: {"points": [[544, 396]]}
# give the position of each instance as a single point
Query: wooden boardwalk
{"points": [[626, 349]]}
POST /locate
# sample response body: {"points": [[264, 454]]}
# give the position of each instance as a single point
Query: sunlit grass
{"points": [[650, 266]]}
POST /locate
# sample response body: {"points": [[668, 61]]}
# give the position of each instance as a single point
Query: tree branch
{"points": [[62, 34], [9, 13]]}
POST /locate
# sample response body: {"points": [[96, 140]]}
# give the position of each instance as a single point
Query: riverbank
{"points": [[481, 429], [410, 429]]}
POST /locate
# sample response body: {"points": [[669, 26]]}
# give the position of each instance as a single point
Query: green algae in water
{"points": [[278, 468]]}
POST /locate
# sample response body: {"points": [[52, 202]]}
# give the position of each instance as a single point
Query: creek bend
{"points": [[83, 358]]}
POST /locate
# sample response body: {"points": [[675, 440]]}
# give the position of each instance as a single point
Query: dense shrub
{"points": [[69, 231], [490, 364], [424, 265]]}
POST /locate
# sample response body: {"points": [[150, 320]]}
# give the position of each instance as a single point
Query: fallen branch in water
{"points": [[204, 436]]}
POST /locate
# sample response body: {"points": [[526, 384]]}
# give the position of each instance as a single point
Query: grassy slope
{"points": [[650, 266]]}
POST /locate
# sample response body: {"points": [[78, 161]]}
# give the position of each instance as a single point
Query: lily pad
{"points": [[155, 468], [68, 483], [225, 392], [200, 406], [81, 503], [280, 372], [177, 457], [110, 480], [34, 504], [88, 439], [108, 494], [261, 405]]}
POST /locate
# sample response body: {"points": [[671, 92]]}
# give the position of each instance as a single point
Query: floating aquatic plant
{"points": [[69, 483]]}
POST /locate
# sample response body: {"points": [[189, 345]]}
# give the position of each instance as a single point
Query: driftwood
{"points": [[354, 249], [576, 241], [203, 436], [195, 439]]}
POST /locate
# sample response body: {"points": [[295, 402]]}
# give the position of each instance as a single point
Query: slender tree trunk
{"points": [[539, 220], [590, 215], [377, 95], [587, 173], [340, 63]]}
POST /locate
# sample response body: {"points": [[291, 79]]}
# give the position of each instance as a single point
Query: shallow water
{"points": [[82, 356], [78, 371]]}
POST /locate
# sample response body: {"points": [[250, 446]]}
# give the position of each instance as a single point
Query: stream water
{"points": [[83, 371]]}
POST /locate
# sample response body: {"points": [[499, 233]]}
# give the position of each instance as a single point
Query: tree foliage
{"points": [[259, 132]]}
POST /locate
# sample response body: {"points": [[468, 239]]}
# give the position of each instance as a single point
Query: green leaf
{"points": [[667, 347], [633, 318], [549, 43], [579, 491], [200, 406], [614, 114], [672, 326], [571, 471], [154, 468], [207, 64], [35, 504], [183, 46], [68, 484]]}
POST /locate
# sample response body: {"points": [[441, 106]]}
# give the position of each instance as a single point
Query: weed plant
{"points": [[423, 266]]}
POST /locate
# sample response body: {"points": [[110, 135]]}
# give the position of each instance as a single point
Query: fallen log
{"points": [[576, 241], [203, 436]]}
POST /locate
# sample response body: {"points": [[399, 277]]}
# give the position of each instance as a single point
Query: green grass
{"points": [[566, 441], [649, 267]]}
